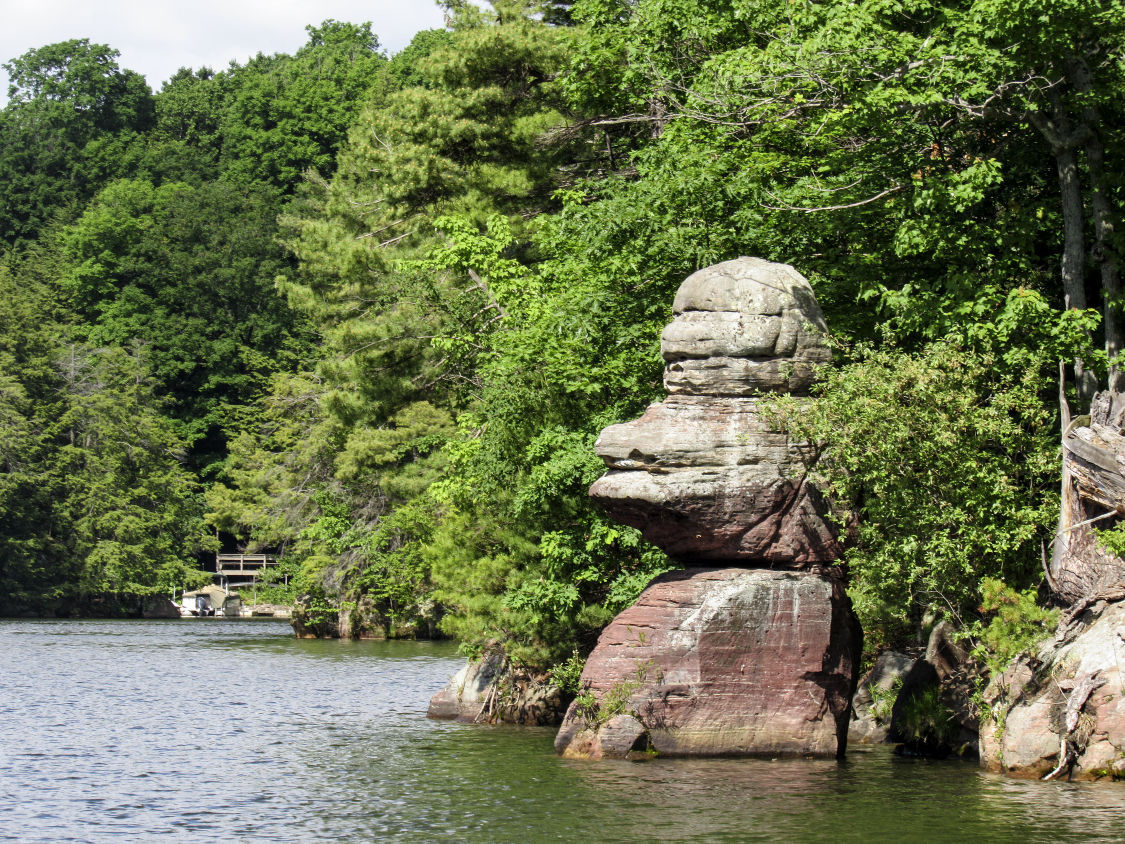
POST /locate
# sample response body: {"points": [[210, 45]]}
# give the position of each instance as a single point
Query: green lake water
{"points": [[225, 730]]}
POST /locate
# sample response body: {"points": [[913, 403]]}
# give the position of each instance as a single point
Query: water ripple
{"points": [[174, 731]]}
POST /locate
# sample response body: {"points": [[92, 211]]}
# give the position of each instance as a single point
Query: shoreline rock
{"points": [[871, 702], [721, 662], [490, 690], [1067, 701]]}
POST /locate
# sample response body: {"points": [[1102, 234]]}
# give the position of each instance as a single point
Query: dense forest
{"points": [[369, 313]]}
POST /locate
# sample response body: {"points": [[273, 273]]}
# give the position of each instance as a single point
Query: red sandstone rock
{"points": [[707, 480], [723, 662]]}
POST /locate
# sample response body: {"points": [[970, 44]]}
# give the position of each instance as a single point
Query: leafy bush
{"points": [[567, 675], [883, 701], [925, 721], [948, 460]]}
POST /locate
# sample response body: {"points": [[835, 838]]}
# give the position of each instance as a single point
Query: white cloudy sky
{"points": [[157, 37]]}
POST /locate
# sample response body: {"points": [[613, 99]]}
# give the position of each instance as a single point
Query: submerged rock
{"points": [[723, 661]]}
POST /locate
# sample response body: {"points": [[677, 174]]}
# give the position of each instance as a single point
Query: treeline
{"points": [[371, 313]]}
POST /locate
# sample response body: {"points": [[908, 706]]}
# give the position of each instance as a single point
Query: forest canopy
{"points": [[370, 313]]}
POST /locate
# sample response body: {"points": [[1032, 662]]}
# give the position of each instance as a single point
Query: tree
{"points": [[189, 273], [283, 115], [93, 494], [61, 98], [127, 509]]}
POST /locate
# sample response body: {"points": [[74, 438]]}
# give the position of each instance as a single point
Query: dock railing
{"points": [[242, 564]]}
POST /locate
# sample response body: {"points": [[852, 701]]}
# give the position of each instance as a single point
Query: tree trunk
{"points": [[1065, 139], [1103, 254], [1093, 495], [1078, 71], [1074, 254]]}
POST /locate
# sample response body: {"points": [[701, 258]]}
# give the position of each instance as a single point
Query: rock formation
{"points": [[490, 689], [753, 648], [725, 661], [702, 474], [1062, 712]]}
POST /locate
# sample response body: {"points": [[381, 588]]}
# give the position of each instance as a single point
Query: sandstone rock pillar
{"points": [[753, 648]]}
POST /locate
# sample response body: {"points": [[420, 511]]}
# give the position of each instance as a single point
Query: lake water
{"points": [[209, 730]]}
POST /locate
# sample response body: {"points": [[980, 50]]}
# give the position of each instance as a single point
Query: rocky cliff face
{"points": [[728, 659]]}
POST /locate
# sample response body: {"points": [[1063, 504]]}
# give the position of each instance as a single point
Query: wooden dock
{"points": [[241, 569]]}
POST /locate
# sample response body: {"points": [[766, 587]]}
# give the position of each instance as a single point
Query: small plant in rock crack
{"points": [[883, 701], [616, 698]]}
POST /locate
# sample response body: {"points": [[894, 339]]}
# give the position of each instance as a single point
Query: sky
{"points": [[158, 37]]}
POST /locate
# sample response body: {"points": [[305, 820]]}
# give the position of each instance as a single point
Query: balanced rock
{"points": [[704, 475], [725, 661], [757, 653]]}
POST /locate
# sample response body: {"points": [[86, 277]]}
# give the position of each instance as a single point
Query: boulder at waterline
{"points": [[726, 661], [489, 690], [1064, 710], [704, 475], [874, 696], [160, 607]]}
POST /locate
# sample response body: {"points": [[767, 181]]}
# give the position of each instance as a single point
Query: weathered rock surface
{"points": [[489, 690], [874, 695], [759, 658], [744, 327], [707, 480], [725, 661], [1093, 486], [703, 474], [1068, 702]]}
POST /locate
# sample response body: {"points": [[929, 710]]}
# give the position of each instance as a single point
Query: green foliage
{"points": [[947, 457], [189, 273], [93, 493], [1112, 539], [62, 97], [614, 701], [1016, 624], [282, 115], [883, 700], [924, 719], [567, 674]]}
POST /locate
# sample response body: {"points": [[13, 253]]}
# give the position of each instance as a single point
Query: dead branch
{"points": [[1068, 749], [860, 203]]}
